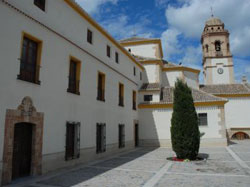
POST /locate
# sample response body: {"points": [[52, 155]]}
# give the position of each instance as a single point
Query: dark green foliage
{"points": [[185, 134]]}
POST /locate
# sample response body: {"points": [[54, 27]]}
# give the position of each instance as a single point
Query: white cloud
{"points": [[120, 28], [92, 6], [170, 42]]}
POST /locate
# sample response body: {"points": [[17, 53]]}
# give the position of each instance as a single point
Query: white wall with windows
{"points": [[156, 123], [51, 96]]}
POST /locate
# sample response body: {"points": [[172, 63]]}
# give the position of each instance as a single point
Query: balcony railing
{"points": [[28, 72], [74, 86]]}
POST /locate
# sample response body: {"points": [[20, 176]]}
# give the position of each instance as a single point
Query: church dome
{"points": [[214, 21]]}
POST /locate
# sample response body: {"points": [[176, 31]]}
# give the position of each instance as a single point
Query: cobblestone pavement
{"points": [[149, 167]]}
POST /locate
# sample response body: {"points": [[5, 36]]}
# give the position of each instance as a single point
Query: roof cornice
{"points": [[141, 42], [83, 14]]}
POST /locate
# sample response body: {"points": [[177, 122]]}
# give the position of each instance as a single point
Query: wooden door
{"points": [[136, 135], [21, 163], [70, 141]]}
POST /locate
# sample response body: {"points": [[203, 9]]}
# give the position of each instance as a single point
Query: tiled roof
{"points": [[135, 39], [198, 96], [165, 63], [150, 86], [169, 64], [225, 89], [142, 58], [247, 85]]}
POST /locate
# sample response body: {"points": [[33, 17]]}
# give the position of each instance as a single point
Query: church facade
{"points": [[71, 93]]}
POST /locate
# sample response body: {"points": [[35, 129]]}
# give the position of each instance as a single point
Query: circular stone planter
{"points": [[175, 159]]}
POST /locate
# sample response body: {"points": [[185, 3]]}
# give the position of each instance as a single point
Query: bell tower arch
{"points": [[217, 58]]}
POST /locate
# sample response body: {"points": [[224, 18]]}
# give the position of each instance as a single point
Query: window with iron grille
{"points": [[40, 4], [121, 132], [29, 66], [72, 140], [134, 100], [121, 95], [74, 82], [117, 57], [148, 97], [101, 87], [89, 36], [202, 119], [100, 137], [134, 71], [108, 51]]}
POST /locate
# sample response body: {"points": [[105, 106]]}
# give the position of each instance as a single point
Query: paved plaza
{"points": [[229, 166]]}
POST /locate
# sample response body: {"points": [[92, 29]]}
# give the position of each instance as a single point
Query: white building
{"points": [[71, 93]]}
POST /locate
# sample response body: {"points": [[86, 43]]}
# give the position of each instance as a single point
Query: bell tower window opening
{"points": [[206, 48], [217, 46]]}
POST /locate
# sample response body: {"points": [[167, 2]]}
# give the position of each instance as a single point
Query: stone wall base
{"points": [[213, 142], [57, 160]]}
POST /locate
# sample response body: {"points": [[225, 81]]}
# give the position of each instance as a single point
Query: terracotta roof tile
{"points": [[225, 89], [150, 86]]}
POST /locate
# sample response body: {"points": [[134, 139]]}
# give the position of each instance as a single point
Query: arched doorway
{"points": [[240, 136], [23, 140], [22, 150]]}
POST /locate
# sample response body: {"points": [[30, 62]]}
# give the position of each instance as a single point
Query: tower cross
{"points": [[212, 14]]}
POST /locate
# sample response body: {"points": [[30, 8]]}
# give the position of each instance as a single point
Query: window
{"points": [[217, 46], [40, 4], [228, 47], [207, 48], [121, 132], [202, 119], [30, 59], [100, 137], [108, 51], [89, 36], [148, 97], [134, 100], [74, 76], [117, 57], [101, 87], [140, 75], [72, 141], [121, 95], [134, 71]]}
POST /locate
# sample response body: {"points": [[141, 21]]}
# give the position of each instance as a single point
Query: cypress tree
{"points": [[185, 134]]}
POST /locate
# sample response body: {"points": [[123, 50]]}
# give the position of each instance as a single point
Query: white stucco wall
{"points": [[152, 73], [237, 112], [192, 79], [51, 97], [155, 96], [155, 123], [220, 78], [170, 77], [145, 50]]}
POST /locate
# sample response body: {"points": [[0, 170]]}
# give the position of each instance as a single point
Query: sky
{"points": [[179, 24]]}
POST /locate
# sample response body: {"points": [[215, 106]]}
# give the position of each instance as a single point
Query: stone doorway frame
{"points": [[25, 113]]}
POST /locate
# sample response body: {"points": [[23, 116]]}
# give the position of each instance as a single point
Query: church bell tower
{"points": [[217, 58]]}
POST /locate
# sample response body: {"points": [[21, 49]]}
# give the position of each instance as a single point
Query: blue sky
{"points": [[179, 24]]}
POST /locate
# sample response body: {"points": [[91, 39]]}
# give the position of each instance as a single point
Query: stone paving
{"points": [[149, 167]]}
